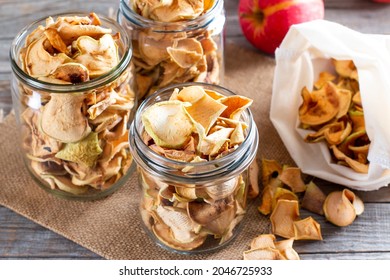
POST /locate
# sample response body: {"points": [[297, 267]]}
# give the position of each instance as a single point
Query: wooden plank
{"points": [[23, 239], [368, 233], [347, 256]]}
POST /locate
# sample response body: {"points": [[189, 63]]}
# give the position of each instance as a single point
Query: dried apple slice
{"points": [[345, 68], [320, 106], [236, 104], [38, 62], [215, 217], [263, 241], [307, 229], [285, 247], [262, 254], [172, 128], [70, 127], [268, 193], [253, 190], [324, 77], [313, 199], [204, 109], [212, 144], [270, 169], [283, 217], [85, 151], [339, 209], [186, 52], [178, 222], [63, 183], [354, 164], [292, 177], [282, 193], [99, 56], [164, 234]]}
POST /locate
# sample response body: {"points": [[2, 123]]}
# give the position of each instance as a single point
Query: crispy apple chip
{"points": [[284, 215], [285, 247], [265, 247], [292, 177], [172, 128], [342, 207], [307, 229], [84, 152], [99, 56], [313, 199]]}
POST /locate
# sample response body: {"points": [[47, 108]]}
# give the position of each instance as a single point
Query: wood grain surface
{"points": [[367, 238]]}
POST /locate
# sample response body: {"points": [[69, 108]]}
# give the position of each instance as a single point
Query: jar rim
{"points": [[106, 78], [230, 162], [170, 27]]}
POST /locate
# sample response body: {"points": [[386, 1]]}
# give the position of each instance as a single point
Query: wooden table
{"points": [[367, 238]]}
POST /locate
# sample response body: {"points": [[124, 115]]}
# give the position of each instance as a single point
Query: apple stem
{"points": [[257, 16]]}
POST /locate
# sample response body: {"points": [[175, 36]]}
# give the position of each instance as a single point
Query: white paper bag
{"points": [[304, 53]]}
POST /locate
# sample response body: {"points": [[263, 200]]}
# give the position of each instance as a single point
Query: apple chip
{"points": [[292, 177], [313, 199], [262, 254], [235, 105], [173, 126], [186, 52], [307, 229], [84, 152], [204, 109], [263, 241], [339, 208], [99, 56], [319, 106], [284, 215], [285, 247], [265, 247]]}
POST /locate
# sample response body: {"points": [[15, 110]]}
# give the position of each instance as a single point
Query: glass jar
{"points": [[196, 206], [74, 118], [167, 53]]}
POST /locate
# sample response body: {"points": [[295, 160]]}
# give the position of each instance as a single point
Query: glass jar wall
{"points": [[192, 202], [174, 44], [72, 95]]}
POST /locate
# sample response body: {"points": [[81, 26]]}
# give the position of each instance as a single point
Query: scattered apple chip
{"points": [[341, 207], [313, 199], [263, 241], [285, 247], [283, 217], [265, 247], [307, 229], [262, 254]]}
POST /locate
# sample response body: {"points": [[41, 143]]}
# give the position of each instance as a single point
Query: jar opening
{"points": [[229, 165], [170, 27], [124, 48]]}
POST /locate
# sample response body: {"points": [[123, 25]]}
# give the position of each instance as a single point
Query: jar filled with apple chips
{"points": [[174, 41], [193, 144], [72, 95]]}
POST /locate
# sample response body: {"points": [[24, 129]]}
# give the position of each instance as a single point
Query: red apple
{"points": [[266, 22]]}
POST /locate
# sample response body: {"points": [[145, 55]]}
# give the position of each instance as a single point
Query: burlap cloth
{"points": [[111, 227]]}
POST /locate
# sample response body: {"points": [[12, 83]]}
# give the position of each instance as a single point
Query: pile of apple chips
{"points": [[334, 111]]}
